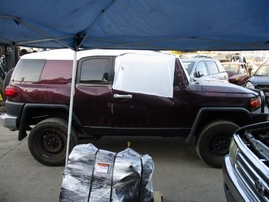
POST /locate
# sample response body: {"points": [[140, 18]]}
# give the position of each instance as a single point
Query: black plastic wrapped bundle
{"points": [[100, 175]]}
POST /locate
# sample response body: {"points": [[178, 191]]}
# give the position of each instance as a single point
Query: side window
{"points": [[57, 71], [212, 67], [201, 68], [95, 70], [220, 66], [28, 70]]}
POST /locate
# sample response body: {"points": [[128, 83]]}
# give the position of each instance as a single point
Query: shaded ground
{"points": [[179, 173]]}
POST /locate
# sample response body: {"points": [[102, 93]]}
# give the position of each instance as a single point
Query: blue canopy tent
{"points": [[185, 25]]}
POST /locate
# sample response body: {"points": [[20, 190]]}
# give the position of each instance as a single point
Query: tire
{"points": [[47, 141], [214, 141], [6, 81]]}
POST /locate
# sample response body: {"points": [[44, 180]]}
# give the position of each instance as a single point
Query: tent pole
{"points": [[72, 93]]}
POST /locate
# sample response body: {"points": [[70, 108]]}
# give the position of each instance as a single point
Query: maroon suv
{"points": [[123, 92]]}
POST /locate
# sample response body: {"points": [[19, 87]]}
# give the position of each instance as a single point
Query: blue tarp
{"points": [[185, 25]]}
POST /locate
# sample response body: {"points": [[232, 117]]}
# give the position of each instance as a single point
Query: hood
{"points": [[219, 86], [259, 80]]}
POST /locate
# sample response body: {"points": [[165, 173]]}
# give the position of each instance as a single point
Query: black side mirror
{"points": [[198, 74]]}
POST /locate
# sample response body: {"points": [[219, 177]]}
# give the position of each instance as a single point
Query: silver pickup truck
{"points": [[245, 168]]}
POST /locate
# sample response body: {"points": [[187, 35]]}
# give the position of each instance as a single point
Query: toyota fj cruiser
{"points": [[123, 92]]}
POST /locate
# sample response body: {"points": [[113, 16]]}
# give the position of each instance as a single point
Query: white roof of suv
{"points": [[68, 54], [139, 71]]}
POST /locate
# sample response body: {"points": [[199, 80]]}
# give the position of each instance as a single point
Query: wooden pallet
{"points": [[157, 196]]}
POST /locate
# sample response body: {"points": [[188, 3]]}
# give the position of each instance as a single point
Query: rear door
{"points": [[214, 71]]}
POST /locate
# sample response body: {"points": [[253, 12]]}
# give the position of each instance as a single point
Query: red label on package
{"points": [[102, 168]]}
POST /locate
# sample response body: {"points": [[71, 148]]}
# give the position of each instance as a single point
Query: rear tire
{"points": [[47, 141], [214, 141]]}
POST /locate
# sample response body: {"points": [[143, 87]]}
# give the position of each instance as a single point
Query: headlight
{"points": [[233, 151], [249, 85]]}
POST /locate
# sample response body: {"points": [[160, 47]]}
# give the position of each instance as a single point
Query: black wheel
{"points": [[6, 81], [47, 141], [214, 141]]}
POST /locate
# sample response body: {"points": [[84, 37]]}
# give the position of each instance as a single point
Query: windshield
{"points": [[263, 70], [188, 65], [230, 67]]}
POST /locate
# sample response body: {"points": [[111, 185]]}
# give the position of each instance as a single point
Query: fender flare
{"points": [[212, 109], [27, 106]]}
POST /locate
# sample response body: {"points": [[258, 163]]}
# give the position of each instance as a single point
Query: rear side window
{"points": [[28, 70], [57, 71], [95, 70], [212, 67]]}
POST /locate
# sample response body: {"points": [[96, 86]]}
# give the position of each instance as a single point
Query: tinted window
{"points": [[28, 70], [201, 68], [212, 67], [93, 70], [57, 71]]}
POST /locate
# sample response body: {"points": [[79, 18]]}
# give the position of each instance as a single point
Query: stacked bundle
{"points": [[98, 175]]}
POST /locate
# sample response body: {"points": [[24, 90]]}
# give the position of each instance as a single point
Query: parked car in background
{"points": [[260, 79], [246, 168], [203, 56], [205, 68], [237, 72]]}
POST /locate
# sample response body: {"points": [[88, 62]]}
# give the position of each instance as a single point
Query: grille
{"points": [[252, 172], [265, 88]]}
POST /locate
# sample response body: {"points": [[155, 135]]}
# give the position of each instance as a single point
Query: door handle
{"points": [[123, 96]]}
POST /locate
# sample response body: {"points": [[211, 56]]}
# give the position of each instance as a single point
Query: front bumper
{"points": [[236, 186], [232, 189]]}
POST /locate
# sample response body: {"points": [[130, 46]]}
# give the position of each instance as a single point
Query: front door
{"points": [[93, 91], [144, 95]]}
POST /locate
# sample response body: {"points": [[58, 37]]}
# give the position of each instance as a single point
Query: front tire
{"points": [[214, 141], [47, 141]]}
